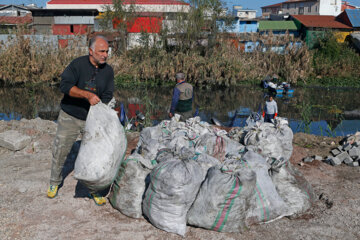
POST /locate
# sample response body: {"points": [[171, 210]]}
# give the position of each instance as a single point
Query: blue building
{"points": [[239, 25]]}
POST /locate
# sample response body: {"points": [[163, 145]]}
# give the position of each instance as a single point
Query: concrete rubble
{"points": [[14, 140], [348, 152]]}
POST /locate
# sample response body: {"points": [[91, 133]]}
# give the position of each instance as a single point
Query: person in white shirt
{"points": [[271, 111]]}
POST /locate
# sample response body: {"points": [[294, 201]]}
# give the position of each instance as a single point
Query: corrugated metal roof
{"points": [[15, 20], [141, 2], [277, 25], [320, 21], [295, 1], [354, 16], [273, 5]]}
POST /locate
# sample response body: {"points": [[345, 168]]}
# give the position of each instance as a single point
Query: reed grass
{"points": [[23, 63], [223, 64]]}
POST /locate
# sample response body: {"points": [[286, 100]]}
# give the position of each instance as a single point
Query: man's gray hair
{"points": [[180, 76], [93, 40]]}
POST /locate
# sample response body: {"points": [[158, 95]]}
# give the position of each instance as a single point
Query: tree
{"points": [[119, 16]]}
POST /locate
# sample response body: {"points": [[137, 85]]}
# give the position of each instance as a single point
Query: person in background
{"points": [[86, 81], [182, 99], [270, 111]]}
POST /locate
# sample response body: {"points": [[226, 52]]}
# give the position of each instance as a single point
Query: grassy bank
{"points": [[331, 64]]}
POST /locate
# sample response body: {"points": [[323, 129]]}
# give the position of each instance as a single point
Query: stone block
{"points": [[14, 140], [348, 161], [354, 152], [318, 158], [342, 156], [335, 161], [347, 147], [308, 159], [340, 148], [353, 164], [335, 152]]}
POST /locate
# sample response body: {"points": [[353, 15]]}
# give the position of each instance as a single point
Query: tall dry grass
{"points": [[21, 62], [222, 65]]}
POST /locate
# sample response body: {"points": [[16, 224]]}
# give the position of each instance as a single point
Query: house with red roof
{"points": [[14, 15], [314, 27], [346, 5], [274, 9]]}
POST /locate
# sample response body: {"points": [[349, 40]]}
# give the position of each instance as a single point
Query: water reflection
{"points": [[322, 108]]}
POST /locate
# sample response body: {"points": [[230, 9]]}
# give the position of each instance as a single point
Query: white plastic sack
{"points": [[223, 199], [129, 187], [293, 189], [173, 188], [102, 148], [217, 146], [266, 204]]}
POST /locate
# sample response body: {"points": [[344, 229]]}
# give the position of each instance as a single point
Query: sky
{"points": [[254, 4]]}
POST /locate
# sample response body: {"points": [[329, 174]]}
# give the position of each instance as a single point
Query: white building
{"points": [[166, 6], [305, 7], [239, 12]]}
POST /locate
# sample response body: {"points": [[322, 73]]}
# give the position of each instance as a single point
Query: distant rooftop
{"points": [[102, 2], [276, 25], [320, 21]]}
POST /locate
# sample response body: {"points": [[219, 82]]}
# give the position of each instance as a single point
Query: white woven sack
{"points": [[102, 148]]}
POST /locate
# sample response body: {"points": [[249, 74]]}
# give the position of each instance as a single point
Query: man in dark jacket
{"points": [[182, 98], [86, 81]]}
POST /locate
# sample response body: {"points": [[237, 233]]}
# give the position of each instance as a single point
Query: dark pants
{"points": [[269, 117], [185, 115]]}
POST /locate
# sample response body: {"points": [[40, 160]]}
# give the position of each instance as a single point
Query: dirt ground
{"points": [[26, 212]]}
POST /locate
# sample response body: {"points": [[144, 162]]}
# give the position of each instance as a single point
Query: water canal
{"points": [[320, 111]]}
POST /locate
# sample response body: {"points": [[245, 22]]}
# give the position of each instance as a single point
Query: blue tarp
{"points": [[354, 16]]}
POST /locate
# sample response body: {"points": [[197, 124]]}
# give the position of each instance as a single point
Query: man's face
{"points": [[101, 52]]}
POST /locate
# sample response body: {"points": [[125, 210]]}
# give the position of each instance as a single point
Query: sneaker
{"points": [[52, 191], [99, 200]]}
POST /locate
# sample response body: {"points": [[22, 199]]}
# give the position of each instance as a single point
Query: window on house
{"points": [[248, 22], [309, 9], [288, 6], [301, 10], [316, 9], [72, 28]]}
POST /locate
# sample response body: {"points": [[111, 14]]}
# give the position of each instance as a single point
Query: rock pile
{"points": [[348, 152]]}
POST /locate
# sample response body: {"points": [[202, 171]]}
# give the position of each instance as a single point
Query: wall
{"points": [[293, 8], [89, 20], [70, 29], [330, 7], [239, 26], [135, 39], [47, 40], [143, 24], [246, 14], [138, 7]]}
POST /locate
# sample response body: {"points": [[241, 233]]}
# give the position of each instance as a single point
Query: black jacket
{"points": [[81, 73]]}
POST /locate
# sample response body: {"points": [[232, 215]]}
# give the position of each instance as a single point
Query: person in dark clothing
{"points": [[86, 81], [182, 99]]}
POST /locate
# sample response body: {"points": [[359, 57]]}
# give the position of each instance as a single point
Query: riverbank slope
{"points": [[26, 212]]}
